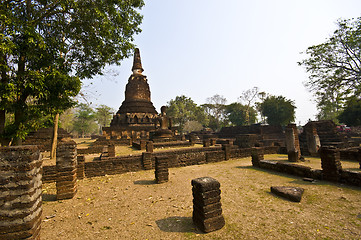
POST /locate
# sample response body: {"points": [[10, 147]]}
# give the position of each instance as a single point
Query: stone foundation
{"points": [[66, 185], [20, 192], [207, 207]]}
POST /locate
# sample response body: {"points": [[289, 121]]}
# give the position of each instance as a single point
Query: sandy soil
{"points": [[132, 206]]}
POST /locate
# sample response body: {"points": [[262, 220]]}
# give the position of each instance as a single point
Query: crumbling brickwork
{"points": [[20, 192], [330, 163], [292, 143], [80, 167], [147, 160], [257, 156], [207, 207], [66, 179], [161, 169]]}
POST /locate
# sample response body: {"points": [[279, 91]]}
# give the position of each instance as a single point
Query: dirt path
{"points": [[131, 206]]}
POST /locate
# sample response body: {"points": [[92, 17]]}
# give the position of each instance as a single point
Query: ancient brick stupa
{"points": [[136, 116]]}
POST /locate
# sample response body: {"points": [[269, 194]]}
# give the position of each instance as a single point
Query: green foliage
{"points": [[237, 114], [334, 67], [215, 109], [104, 115], [278, 110], [184, 109], [249, 97], [47, 47], [84, 122], [351, 115]]}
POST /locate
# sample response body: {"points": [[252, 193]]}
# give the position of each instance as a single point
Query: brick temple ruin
{"points": [[136, 117]]}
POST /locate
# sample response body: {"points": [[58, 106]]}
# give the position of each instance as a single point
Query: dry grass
{"points": [[131, 206]]}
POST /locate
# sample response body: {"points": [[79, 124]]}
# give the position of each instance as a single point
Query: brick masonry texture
{"points": [[66, 166], [207, 207], [20, 192]]}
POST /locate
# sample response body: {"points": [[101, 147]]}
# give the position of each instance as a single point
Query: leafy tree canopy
{"points": [[215, 110], [84, 122], [278, 110], [46, 47], [183, 109], [334, 67], [351, 115], [104, 115], [239, 114]]}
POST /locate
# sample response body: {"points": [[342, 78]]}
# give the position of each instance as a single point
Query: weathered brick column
{"points": [[150, 146], [105, 154], [359, 156], [257, 155], [147, 160], [161, 169], [330, 163], [206, 142], [192, 139], [20, 192], [227, 151], [80, 167], [207, 207], [111, 150], [313, 140], [143, 144], [66, 186], [292, 143]]}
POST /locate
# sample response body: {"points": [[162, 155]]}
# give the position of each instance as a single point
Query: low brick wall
{"points": [[177, 158], [345, 176], [90, 150], [113, 166], [350, 154]]}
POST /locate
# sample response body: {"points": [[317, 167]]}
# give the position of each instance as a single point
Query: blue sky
{"points": [[199, 48]]}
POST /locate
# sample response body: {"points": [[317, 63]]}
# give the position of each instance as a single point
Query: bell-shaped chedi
{"points": [[137, 92], [136, 116]]}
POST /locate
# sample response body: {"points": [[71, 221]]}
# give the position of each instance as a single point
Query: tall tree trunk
{"points": [[55, 137], [18, 119], [2, 126]]}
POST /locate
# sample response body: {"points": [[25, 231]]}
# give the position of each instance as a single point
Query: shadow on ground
{"points": [[144, 182], [49, 197], [177, 224]]}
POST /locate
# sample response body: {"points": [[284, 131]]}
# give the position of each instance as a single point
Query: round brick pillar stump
{"points": [[20, 192]]}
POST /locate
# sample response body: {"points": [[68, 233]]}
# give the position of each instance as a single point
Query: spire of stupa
{"points": [[137, 63]]}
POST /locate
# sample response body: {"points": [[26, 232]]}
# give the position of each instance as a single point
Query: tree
{"points": [[278, 110], [334, 67], [249, 97], [84, 122], [237, 114], [103, 116], [66, 120], [47, 44], [183, 109], [215, 109], [351, 115]]}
